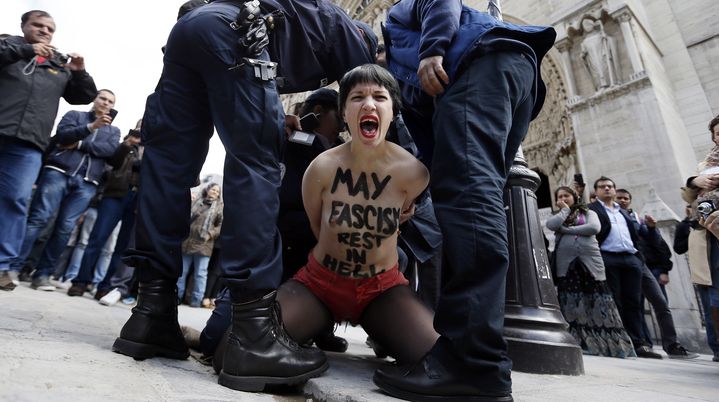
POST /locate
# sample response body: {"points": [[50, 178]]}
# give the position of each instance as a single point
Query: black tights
{"points": [[396, 320]]}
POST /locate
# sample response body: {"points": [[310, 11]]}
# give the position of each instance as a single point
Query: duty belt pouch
{"points": [[264, 70]]}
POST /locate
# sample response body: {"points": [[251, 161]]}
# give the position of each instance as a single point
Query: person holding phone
{"points": [[119, 203], [73, 168]]}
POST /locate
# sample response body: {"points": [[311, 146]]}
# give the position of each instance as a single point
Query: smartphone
{"points": [[578, 178], [301, 137], [112, 113], [309, 122]]}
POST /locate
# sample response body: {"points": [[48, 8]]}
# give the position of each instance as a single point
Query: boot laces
{"points": [[279, 331]]}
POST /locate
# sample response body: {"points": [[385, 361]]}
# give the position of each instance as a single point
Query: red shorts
{"points": [[346, 297]]}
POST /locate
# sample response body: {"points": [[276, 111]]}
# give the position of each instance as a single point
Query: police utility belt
{"points": [[253, 28], [264, 70]]}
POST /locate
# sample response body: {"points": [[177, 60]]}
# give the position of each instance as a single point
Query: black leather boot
{"points": [[330, 342], [259, 352], [152, 330]]}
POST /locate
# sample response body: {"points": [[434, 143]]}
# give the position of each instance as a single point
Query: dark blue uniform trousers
{"points": [[478, 124], [198, 89]]}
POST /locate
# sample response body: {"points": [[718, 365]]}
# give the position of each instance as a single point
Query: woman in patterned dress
{"points": [[584, 297]]}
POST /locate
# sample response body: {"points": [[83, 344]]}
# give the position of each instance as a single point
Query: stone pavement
{"points": [[57, 348]]}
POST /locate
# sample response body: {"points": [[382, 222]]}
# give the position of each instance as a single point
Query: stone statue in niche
{"points": [[599, 54]]}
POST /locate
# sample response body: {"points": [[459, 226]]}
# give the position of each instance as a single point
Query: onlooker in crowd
{"points": [[73, 169], [86, 224], [690, 236], [443, 47], [657, 258], [117, 207], [211, 79], [712, 224], [656, 252], [324, 124], [705, 186], [215, 282], [624, 265], [205, 224], [33, 78], [584, 297]]}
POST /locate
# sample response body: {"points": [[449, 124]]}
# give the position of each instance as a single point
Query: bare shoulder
{"points": [[327, 162], [407, 166]]}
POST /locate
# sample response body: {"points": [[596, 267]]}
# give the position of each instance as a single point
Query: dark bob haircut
{"points": [[370, 74]]}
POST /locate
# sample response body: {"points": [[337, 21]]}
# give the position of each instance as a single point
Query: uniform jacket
{"points": [[29, 103], [421, 233], [416, 29], [577, 242], [314, 45], [94, 147], [293, 223]]}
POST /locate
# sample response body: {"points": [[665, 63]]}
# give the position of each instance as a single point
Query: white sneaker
{"points": [[61, 285], [111, 298], [14, 277]]}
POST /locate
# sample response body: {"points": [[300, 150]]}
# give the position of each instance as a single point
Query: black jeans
{"points": [[478, 125], [653, 292], [624, 277]]}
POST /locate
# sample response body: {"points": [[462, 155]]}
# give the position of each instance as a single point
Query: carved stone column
{"points": [[563, 46], [624, 16]]}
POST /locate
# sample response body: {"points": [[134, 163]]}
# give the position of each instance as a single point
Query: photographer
{"points": [[32, 81], [118, 204], [70, 177]]}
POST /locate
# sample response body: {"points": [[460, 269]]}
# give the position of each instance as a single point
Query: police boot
{"points": [[259, 352], [152, 330]]}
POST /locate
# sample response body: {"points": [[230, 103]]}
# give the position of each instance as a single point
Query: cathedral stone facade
{"points": [[632, 85]]}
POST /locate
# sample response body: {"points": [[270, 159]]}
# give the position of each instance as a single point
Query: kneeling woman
{"points": [[584, 296], [355, 196]]}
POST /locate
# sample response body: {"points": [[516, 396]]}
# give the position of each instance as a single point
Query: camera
{"points": [[705, 208], [60, 57]]}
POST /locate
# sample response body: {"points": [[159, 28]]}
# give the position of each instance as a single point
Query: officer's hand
{"points": [[406, 214], [663, 279], [432, 75], [292, 123], [77, 62], [101, 121], [43, 49]]}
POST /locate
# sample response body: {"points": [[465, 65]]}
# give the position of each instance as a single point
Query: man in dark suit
{"points": [[618, 243]]}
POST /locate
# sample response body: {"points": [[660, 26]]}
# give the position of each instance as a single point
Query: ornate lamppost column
{"points": [[535, 330]]}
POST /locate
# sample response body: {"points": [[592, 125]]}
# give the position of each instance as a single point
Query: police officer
{"points": [[477, 81], [217, 71]]}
